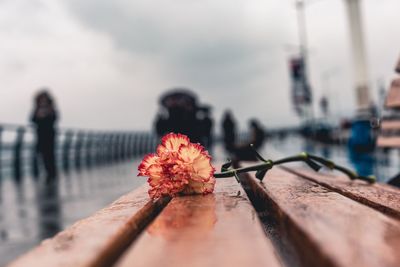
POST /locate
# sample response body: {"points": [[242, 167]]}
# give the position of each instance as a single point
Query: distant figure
{"points": [[206, 126], [244, 151], [44, 116], [229, 131], [257, 134], [179, 113]]}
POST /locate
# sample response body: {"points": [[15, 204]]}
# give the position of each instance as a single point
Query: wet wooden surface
{"points": [[325, 227], [381, 197], [99, 239], [220, 229], [384, 141], [390, 125], [393, 96], [389, 133]]}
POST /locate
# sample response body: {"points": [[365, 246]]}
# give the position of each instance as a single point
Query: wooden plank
{"points": [[327, 228], [100, 239], [390, 125], [220, 229], [393, 142], [381, 197], [393, 96]]}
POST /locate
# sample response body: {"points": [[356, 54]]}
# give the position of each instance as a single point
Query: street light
{"points": [[359, 57], [305, 88]]}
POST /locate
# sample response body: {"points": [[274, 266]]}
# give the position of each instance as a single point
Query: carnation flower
{"points": [[178, 167], [182, 167]]}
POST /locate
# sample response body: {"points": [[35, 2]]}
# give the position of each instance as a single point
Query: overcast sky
{"points": [[107, 62]]}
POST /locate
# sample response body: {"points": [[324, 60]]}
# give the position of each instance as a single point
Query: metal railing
{"points": [[75, 148]]}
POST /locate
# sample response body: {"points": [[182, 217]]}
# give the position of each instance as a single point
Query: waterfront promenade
{"points": [[31, 211]]}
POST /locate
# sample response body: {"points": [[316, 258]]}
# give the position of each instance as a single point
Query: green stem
{"points": [[231, 173], [310, 160]]}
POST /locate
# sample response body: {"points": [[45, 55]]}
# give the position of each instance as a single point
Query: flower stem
{"points": [[311, 160]]}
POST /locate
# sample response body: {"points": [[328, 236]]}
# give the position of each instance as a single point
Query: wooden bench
{"points": [[214, 230], [295, 217], [100, 239], [382, 197], [328, 223], [389, 135], [220, 229]]}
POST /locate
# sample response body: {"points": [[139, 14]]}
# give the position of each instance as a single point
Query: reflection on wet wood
{"points": [[381, 197], [98, 240], [220, 229], [327, 228]]}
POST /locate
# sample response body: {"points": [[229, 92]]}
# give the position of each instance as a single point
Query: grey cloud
{"points": [[200, 49]]}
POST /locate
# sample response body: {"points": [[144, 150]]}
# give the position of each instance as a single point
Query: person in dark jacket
{"points": [[229, 131], [44, 117]]}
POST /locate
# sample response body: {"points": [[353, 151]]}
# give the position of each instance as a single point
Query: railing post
{"points": [[129, 146], [140, 144], [88, 148], [123, 146], [110, 148], [78, 150], [19, 142], [66, 150], [147, 143], [98, 140], [135, 144], [104, 148], [116, 147]]}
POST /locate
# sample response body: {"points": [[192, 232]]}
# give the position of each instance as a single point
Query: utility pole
{"points": [[359, 57], [361, 129], [301, 23]]}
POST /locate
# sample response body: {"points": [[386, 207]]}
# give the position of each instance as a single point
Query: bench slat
{"points": [[97, 240], [381, 197], [220, 229], [390, 125], [327, 228], [384, 141], [393, 96]]}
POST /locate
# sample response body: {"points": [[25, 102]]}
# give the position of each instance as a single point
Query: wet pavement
{"points": [[32, 211]]}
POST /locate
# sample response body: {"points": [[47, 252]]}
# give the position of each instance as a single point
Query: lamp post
{"points": [[359, 57], [361, 142], [301, 23]]}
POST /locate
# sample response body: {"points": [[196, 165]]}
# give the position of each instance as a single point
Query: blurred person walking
{"points": [[206, 127], [229, 130], [44, 117], [257, 138]]}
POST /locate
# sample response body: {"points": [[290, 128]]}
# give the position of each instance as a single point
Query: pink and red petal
{"points": [[147, 161], [178, 167], [172, 142], [190, 152]]}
